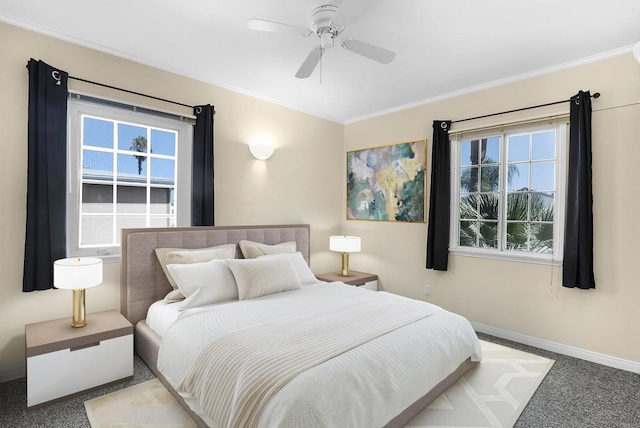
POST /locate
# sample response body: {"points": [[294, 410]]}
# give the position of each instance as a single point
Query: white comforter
{"points": [[365, 386]]}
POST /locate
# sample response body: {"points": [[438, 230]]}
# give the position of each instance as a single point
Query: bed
{"points": [[384, 381]]}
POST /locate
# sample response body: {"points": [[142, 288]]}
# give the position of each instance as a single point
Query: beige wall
{"points": [[520, 297], [298, 184]]}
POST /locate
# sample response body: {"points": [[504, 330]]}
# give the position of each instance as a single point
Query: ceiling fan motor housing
{"points": [[321, 22]]}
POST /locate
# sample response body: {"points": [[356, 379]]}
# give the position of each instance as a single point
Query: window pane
{"points": [[131, 200], [518, 148], [542, 206], [163, 142], [518, 206], [543, 176], [469, 207], [97, 198], [162, 171], [162, 200], [492, 151], [465, 153], [97, 165], [124, 222], [518, 177], [96, 230], [543, 145], [542, 238], [490, 178], [162, 222], [132, 137], [469, 180], [97, 133], [132, 168], [488, 235], [468, 234], [489, 207], [517, 236]]}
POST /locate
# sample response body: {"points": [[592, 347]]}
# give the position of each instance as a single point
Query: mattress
{"points": [[389, 373]]}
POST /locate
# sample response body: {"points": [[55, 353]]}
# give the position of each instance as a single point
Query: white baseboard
{"points": [[583, 354], [11, 374]]}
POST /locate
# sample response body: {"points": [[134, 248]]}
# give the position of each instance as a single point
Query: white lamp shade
{"points": [[77, 273], [345, 244], [636, 51], [261, 151]]}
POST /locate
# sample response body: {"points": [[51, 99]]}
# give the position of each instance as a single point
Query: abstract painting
{"points": [[387, 183]]}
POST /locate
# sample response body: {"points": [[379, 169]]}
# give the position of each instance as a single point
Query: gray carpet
{"points": [[575, 394]]}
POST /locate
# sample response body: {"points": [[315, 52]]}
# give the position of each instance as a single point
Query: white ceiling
{"points": [[442, 46]]}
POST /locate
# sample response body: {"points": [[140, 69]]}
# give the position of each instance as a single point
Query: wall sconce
{"points": [[77, 274], [261, 151], [344, 245]]}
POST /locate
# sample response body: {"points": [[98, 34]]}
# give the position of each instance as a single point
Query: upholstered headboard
{"points": [[142, 280]]}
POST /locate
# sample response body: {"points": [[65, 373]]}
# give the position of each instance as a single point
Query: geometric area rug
{"points": [[493, 394], [147, 404]]}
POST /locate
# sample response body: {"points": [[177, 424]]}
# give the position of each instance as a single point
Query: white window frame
{"points": [[562, 131], [78, 108]]}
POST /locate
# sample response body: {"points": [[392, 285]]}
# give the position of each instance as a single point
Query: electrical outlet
{"points": [[427, 290]]}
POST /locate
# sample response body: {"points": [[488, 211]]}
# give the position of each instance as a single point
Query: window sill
{"points": [[508, 256]]}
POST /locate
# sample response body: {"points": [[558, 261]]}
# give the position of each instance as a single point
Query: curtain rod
{"points": [[596, 95], [129, 92]]}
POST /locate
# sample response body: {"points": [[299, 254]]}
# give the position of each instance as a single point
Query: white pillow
{"points": [[204, 283], [302, 268], [253, 250], [171, 256], [260, 277]]}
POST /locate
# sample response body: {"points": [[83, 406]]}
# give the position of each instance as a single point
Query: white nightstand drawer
{"points": [[60, 373], [370, 285]]}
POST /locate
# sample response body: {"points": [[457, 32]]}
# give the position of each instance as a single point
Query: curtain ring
{"points": [[56, 75], [198, 110], [577, 100], [443, 125]]}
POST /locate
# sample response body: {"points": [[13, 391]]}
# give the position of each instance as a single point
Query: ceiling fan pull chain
{"points": [[321, 55]]}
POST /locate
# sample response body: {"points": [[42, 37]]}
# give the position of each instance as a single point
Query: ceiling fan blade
{"points": [[276, 27], [375, 53], [310, 63]]}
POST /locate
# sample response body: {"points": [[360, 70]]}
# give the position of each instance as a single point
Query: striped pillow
{"points": [[253, 250], [182, 256], [260, 277]]}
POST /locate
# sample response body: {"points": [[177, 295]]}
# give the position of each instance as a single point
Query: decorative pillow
{"points": [[302, 268], [204, 283], [253, 250], [173, 256], [259, 277]]}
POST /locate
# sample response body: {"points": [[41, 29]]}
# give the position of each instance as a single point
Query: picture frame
{"points": [[387, 183]]}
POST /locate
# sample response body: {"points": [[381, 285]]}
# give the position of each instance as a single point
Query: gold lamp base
{"points": [[79, 316], [345, 265]]}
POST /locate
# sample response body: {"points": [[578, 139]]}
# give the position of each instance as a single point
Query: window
{"points": [[508, 193], [126, 169]]}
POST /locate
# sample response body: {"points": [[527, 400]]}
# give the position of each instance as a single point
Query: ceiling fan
{"points": [[324, 23]]}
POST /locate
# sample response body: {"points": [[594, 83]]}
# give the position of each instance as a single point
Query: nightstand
{"points": [[367, 281], [62, 360]]}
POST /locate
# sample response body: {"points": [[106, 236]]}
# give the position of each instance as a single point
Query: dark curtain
{"points": [[577, 266], [439, 200], [202, 168], [45, 239]]}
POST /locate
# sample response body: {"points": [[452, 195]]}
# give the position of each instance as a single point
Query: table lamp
{"points": [[77, 274], [345, 245]]}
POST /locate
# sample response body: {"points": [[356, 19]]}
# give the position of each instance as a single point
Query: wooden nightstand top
{"points": [[356, 278], [49, 336]]}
